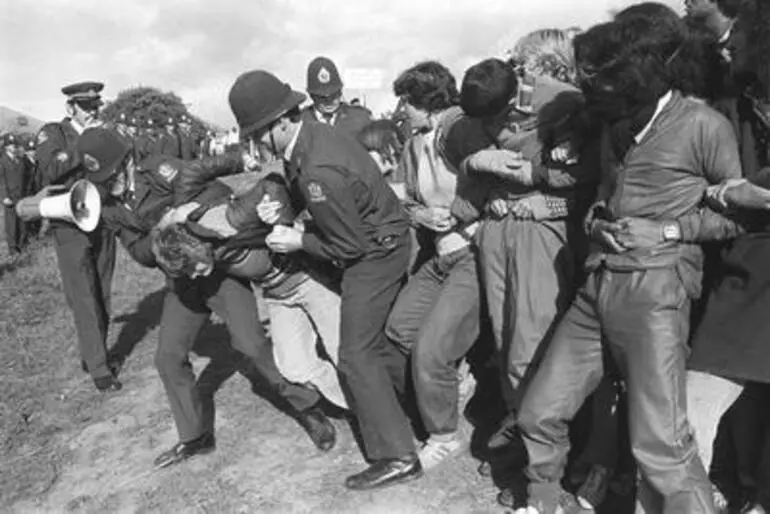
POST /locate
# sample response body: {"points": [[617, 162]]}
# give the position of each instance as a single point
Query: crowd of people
{"points": [[583, 221]]}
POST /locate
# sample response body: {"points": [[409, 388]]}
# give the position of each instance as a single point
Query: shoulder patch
{"points": [[316, 192], [42, 137], [62, 157], [91, 163], [167, 171]]}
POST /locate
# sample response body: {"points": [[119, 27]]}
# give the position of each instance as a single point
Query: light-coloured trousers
{"points": [[298, 319]]}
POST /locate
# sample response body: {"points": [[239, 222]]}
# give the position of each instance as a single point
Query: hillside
{"points": [[12, 121]]}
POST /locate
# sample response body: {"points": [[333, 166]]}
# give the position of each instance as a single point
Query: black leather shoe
{"points": [[114, 364], [108, 384], [183, 451], [386, 472], [319, 428]]}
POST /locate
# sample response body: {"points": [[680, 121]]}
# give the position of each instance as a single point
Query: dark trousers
{"points": [[437, 317], [644, 318], [187, 307], [86, 264], [528, 273], [372, 368], [15, 234]]}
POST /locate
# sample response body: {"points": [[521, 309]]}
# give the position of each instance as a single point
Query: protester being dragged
{"points": [[230, 237], [137, 203]]}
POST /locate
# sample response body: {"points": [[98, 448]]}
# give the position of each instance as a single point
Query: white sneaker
{"points": [[434, 452]]}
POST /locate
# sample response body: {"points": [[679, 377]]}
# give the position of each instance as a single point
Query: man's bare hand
{"points": [[269, 211], [506, 164], [605, 232], [438, 219], [284, 239], [637, 233]]}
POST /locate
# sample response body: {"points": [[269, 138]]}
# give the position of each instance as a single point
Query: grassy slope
{"points": [[66, 448]]}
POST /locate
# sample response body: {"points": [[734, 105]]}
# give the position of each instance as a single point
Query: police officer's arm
{"points": [[57, 159], [339, 231], [193, 178], [136, 240]]}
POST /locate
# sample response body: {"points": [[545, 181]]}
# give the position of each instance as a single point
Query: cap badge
{"points": [[167, 171], [92, 164], [323, 76], [42, 137]]}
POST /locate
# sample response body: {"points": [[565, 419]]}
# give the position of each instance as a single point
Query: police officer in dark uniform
{"points": [[34, 182], [324, 86], [187, 145], [168, 142], [14, 179], [86, 261], [134, 208], [358, 224], [145, 142]]}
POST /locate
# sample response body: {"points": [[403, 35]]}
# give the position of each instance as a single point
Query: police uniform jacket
{"points": [[168, 144], [187, 146], [56, 155], [14, 177], [355, 212], [134, 216], [349, 119]]}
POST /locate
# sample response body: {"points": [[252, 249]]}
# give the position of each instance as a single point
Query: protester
{"points": [[301, 304], [634, 297]]}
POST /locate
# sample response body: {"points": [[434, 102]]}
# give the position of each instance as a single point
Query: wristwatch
{"points": [[672, 231]]}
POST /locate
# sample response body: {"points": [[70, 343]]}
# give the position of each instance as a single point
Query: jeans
{"points": [[437, 317]]}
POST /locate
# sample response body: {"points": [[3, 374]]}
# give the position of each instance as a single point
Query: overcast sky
{"points": [[198, 47]]}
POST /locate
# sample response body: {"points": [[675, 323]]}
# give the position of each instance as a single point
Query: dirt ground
{"points": [[66, 448]]}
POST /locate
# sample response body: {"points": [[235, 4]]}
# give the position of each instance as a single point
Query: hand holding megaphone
{"points": [[80, 205], [23, 206]]}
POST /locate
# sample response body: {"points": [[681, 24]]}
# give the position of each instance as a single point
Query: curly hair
{"points": [[383, 137], [546, 52], [428, 85], [177, 250], [488, 87], [641, 51]]}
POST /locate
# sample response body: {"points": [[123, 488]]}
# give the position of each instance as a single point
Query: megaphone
{"points": [[81, 206]]}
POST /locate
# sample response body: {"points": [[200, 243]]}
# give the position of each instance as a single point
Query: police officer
{"points": [[168, 142], [145, 143], [134, 209], [358, 224], [13, 185], [86, 261], [324, 86], [187, 146], [34, 182]]}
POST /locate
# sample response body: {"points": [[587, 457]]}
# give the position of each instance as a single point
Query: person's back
{"points": [[323, 148]]}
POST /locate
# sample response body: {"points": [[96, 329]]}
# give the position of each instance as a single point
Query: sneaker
{"points": [[434, 452], [594, 489]]}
